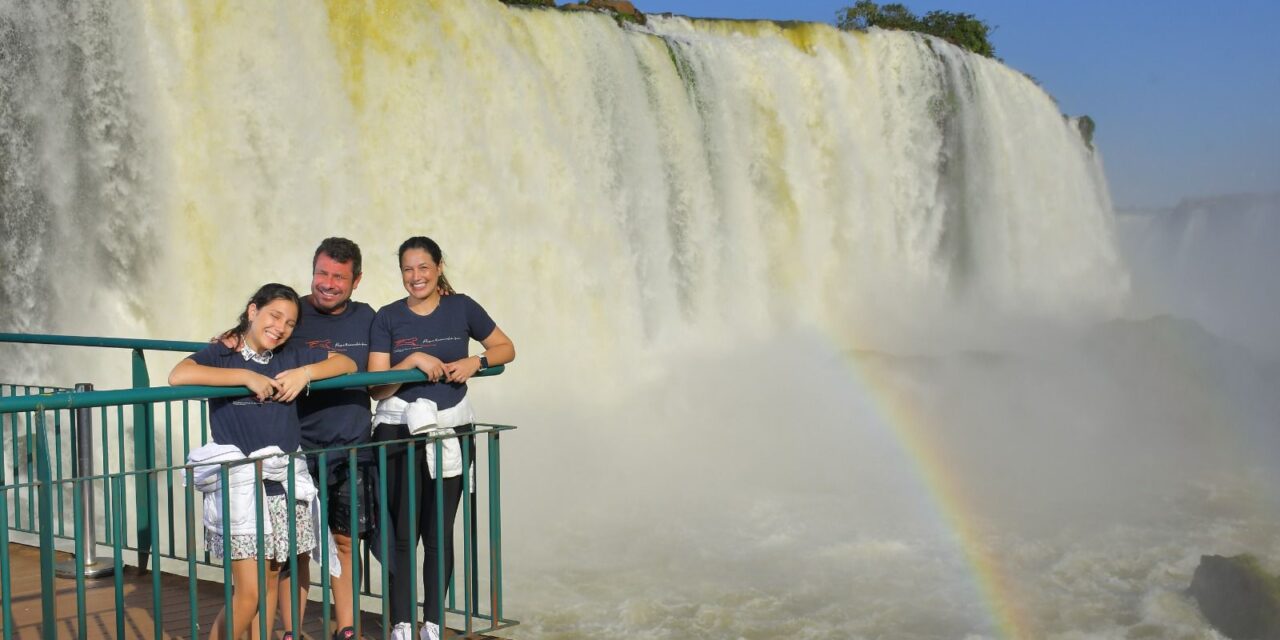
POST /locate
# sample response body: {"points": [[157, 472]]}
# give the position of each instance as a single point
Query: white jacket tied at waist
{"points": [[245, 493], [421, 416]]}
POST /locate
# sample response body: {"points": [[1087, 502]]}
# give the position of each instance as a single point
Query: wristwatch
{"points": [[484, 362]]}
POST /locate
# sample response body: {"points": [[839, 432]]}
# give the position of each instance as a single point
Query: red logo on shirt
{"points": [[325, 344], [410, 343]]}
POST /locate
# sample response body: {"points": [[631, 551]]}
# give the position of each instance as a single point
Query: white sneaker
{"points": [[402, 631], [430, 631]]}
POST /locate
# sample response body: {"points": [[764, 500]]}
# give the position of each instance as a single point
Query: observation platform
{"points": [[66, 452], [102, 618]]}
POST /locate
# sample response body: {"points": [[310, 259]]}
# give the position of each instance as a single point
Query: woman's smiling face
{"points": [[420, 273]]}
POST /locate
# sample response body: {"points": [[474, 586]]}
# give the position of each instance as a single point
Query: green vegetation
{"points": [[1086, 127], [961, 29], [628, 17]]}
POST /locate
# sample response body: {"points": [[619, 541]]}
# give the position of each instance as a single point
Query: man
{"points": [[331, 321]]}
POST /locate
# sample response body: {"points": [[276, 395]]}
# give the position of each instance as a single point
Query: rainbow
{"points": [[948, 492]]}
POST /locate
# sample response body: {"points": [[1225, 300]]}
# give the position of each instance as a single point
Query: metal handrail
{"points": [[74, 400], [102, 341], [143, 452]]}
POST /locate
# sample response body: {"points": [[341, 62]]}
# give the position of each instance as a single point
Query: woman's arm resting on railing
{"points": [[497, 350], [189, 372], [428, 364], [293, 381]]}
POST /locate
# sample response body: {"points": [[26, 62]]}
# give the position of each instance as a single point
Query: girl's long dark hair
{"points": [[427, 244], [265, 295]]}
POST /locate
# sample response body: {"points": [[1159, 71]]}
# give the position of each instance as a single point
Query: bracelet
{"points": [[307, 370]]}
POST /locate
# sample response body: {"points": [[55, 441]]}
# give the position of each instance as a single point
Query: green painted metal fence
{"points": [[44, 490], [143, 425]]}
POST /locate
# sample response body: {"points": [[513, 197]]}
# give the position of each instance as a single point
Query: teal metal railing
{"points": [[143, 424], [16, 457], [39, 494]]}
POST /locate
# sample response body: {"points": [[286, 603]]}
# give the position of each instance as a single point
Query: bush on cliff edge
{"points": [[961, 29]]}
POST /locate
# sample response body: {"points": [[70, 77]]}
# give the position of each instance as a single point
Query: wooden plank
{"points": [[101, 615]]}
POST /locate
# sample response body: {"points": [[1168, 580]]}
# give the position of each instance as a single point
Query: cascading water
{"points": [[718, 246], [703, 173], [80, 216]]}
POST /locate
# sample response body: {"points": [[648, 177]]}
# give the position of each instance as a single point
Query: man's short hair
{"points": [[340, 250]]}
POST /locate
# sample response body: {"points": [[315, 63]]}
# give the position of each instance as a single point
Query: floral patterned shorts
{"points": [[245, 545]]}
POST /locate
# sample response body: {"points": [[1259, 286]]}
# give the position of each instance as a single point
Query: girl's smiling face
{"points": [[271, 325]]}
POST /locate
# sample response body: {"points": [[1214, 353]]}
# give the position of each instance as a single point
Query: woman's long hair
{"points": [[266, 294], [427, 244]]}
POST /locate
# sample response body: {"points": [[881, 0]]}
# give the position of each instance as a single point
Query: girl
{"points": [[255, 354], [429, 330]]}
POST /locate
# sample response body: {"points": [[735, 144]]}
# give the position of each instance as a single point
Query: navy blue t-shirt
{"points": [[246, 422], [336, 417], [444, 333]]}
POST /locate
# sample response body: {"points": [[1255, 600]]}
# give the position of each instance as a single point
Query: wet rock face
{"points": [[1237, 597], [622, 10], [1086, 126], [620, 6]]}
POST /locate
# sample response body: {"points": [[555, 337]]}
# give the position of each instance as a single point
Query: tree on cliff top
{"points": [[961, 29]]}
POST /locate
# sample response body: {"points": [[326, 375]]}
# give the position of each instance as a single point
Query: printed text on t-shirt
{"points": [[329, 345], [411, 344]]}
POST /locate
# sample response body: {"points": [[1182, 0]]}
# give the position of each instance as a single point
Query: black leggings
{"points": [[398, 508]]}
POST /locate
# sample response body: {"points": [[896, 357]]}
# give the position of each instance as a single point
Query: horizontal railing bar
{"points": [[480, 430], [121, 476], [74, 400], [101, 341]]}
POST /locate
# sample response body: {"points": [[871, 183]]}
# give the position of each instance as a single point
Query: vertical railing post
{"points": [[44, 496], [442, 581], [384, 525], [143, 458], [323, 542], [291, 493], [117, 550], [411, 481], [157, 618], [224, 481], [495, 528], [193, 602], [353, 525], [82, 432], [468, 530], [77, 507], [6, 579]]}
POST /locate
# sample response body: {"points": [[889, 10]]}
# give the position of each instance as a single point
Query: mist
{"points": [[814, 485], [775, 488], [820, 334], [1212, 260]]}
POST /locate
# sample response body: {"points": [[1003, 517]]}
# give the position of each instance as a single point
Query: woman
{"points": [[428, 330], [256, 354]]}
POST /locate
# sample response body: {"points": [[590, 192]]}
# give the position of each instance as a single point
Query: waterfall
{"points": [[686, 228], [610, 186]]}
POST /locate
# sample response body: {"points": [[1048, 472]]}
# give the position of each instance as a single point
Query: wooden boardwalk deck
{"points": [[139, 621]]}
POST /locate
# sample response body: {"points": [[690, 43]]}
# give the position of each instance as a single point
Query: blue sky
{"points": [[1186, 95]]}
